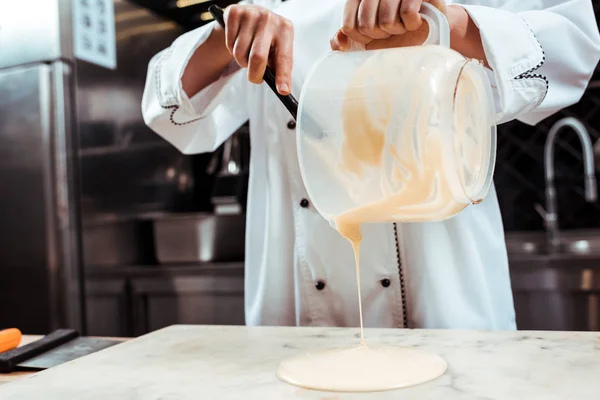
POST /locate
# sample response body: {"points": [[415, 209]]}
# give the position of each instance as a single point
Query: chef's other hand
{"points": [[383, 23], [256, 37]]}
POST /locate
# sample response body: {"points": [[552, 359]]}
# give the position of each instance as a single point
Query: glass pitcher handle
{"points": [[439, 28]]}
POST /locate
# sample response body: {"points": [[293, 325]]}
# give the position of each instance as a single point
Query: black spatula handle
{"points": [[10, 359]]}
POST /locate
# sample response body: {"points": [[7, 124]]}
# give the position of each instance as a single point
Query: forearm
{"points": [[464, 34], [206, 64]]}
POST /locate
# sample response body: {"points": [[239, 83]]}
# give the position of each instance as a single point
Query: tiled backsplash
{"points": [[519, 174]]}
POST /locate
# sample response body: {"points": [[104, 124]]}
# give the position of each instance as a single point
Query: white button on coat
{"points": [[451, 274]]}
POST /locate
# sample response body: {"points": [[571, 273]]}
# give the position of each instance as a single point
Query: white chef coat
{"points": [[299, 271]]}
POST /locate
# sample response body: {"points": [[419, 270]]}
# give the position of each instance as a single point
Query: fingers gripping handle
{"points": [[439, 28], [288, 101]]}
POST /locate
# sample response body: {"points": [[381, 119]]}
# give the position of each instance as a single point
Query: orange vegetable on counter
{"points": [[9, 339]]}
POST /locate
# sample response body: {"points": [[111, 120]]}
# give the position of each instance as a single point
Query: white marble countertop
{"points": [[214, 363]]}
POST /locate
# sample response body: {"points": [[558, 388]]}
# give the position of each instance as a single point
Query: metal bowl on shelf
{"points": [[199, 237], [110, 240]]}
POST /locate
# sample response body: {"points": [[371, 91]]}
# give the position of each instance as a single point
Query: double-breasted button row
{"points": [[320, 284]]}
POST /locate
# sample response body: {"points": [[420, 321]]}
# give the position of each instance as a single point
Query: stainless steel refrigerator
{"points": [[64, 123]]}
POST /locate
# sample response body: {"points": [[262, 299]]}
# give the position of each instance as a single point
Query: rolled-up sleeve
{"points": [[542, 56], [199, 124]]}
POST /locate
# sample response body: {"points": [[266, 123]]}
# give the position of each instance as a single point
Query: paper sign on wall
{"points": [[94, 32]]}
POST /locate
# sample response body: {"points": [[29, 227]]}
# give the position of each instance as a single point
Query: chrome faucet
{"points": [[550, 214]]}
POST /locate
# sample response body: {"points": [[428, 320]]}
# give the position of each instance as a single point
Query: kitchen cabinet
{"points": [[132, 301], [188, 299], [557, 311], [556, 292], [108, 307]]}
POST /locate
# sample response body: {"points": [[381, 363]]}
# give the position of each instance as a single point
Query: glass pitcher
{"points": [[404, 134]]}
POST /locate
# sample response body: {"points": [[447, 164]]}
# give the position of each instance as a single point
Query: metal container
{"points": [[203, 237], [117, 241]]}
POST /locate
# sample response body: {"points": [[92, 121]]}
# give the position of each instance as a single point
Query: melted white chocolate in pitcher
{"points": [[421, 189]]}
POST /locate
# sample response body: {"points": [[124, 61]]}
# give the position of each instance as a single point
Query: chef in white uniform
{"points": [[299, 271]]}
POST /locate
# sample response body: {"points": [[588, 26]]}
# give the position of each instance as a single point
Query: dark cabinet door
{"points": [[109, 308], [191, 299]]}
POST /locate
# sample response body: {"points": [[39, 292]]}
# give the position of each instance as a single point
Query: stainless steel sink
{"points": [[557, 289], [585, 242], [518, 243]]}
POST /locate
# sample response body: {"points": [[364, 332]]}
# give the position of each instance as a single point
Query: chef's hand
{"points": [[256, 36], [383, 23]]}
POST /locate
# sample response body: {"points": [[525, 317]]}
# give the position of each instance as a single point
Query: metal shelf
{"points": [[157, 270]]}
